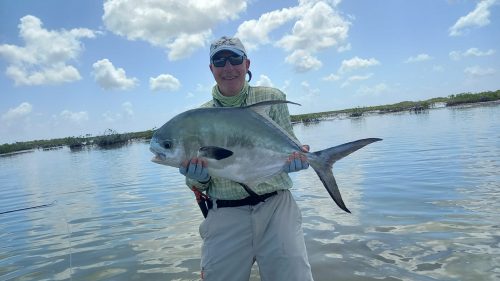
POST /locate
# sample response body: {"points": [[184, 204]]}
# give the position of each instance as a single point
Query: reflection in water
{"points": [[426, 199], [425, 206]]}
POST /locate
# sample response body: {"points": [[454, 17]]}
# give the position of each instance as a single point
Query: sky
{"points": [[73, 68]]}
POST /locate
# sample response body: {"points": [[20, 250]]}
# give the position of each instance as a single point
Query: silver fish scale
{"points": [[255, 142], [260, 147]]}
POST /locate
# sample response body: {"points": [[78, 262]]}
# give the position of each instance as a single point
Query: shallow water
{"points": [[424, 205]]}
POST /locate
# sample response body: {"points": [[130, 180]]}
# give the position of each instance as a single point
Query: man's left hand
{"points": [[297, 161]]}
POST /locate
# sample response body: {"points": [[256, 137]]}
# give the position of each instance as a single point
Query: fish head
{"points": [[166, 147]]}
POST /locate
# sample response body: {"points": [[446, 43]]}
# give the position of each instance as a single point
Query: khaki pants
{"points": [[269, 232]]}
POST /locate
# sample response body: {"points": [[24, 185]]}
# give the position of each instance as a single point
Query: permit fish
{"points": [[243, 144]]}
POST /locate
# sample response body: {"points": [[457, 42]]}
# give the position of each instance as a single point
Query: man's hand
{"points": [[195, 169], [297, 161]]}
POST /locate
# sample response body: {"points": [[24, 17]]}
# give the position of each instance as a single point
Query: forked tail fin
{"points": [[322, 162]]}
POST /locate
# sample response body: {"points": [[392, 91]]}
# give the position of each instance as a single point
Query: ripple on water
{"points": [[424, 205]]}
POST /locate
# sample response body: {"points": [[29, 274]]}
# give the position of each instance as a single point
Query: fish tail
{"points": [[322, 162]]}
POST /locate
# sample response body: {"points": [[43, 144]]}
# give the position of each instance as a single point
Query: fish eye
{"points": [[167, 144]]}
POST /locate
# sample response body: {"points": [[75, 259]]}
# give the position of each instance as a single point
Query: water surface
{"points": [[424, 205]]}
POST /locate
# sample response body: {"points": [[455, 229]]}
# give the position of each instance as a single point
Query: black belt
{"points": [[250, 200]]}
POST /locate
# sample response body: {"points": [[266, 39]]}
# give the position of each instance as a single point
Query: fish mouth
{"points": [[159, 158]]}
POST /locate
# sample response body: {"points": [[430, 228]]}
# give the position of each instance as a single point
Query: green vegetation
{"points": [[472, 98], [37, 144], [360, 111], [111, 138], [412, 106], [145, 135]]}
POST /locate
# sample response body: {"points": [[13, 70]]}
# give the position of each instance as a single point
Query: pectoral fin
{"points": [[214, 152]]}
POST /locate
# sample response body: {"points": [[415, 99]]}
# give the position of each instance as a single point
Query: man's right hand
{"points": [[195, 169]]}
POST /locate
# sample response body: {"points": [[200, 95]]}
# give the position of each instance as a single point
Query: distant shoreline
{"points": [[342, 114], [112, 139], [404, 106]]}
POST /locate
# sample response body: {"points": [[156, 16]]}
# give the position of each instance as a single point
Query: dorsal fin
{"points": [[262, 109], [263, 106]]}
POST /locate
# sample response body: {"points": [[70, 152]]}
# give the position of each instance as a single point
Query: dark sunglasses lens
{"points": [[219, 62], [233, 60], [236, 60]]}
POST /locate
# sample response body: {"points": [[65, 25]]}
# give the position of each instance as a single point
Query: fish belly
{"points": [[249, 167]]}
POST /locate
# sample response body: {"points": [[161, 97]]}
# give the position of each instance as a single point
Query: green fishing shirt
{"points": [[224, 189]]}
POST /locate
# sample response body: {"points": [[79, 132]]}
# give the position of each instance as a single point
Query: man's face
{"points": [[230, 78]]}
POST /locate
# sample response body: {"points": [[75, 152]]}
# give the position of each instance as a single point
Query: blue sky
{"points": [[70, 68]]}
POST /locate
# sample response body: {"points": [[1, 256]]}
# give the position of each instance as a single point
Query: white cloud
{"points": [[126, 112], [356, 78], [457, 55], [128, 109], [331, 77], [111, 117], [186, 44], [317, 26], [303, 61], [477, 18], [375, 90], [476, 52], [264, 81], [181, 27], [109, 78], [477, 71], [357, 63], [344, 48], [418, 58], [308, 98], [45, 56], [77, 117], [331, 2], [23, 110], [165, 82], [308, 90], [256, 32], [204, 88], [49, 75], [308, 93], [286, 85], [438, 68]]}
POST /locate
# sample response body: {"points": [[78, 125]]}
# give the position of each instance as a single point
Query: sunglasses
{"points": [[233, 60]]}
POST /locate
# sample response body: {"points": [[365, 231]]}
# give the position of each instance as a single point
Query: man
{"points": [[244, 226]]}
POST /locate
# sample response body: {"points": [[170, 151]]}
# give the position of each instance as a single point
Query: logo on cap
{"points": [[232, 44]]}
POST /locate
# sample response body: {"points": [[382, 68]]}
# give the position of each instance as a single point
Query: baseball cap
{"points": [[225, 43]]}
